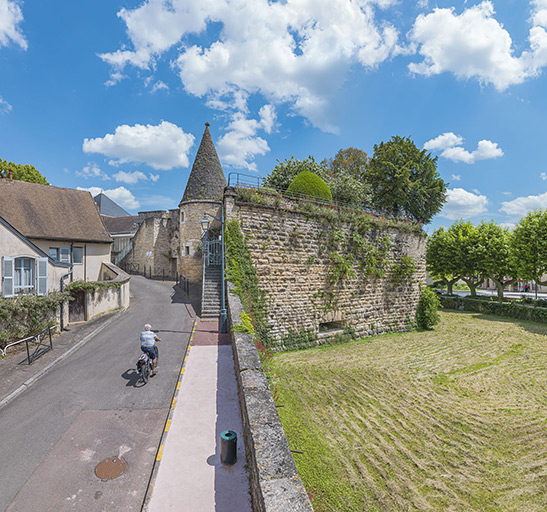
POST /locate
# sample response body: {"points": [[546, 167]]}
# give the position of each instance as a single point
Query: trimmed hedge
{"points": [[310, 184], [493, 307]]}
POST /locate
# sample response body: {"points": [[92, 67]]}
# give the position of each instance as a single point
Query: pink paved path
{"points": [[190, 477]]}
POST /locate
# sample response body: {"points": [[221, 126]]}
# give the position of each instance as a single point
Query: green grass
{"points": [[450, 419]]}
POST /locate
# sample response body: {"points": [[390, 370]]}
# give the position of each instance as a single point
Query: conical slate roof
{"points": [[207, 180]]}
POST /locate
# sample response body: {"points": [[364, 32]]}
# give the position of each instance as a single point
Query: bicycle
{"points": [[144, 365]]}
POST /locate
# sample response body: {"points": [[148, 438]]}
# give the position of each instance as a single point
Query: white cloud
{"points": [[10, 18], [451, 146], [239, 146], [119, 195], [92, 170], [295, 52], [463, 204], [456, 177], [522, 205], [543, 176], [5, 107], [507, 193], [133, 177], [162, 147], [475, 45]]}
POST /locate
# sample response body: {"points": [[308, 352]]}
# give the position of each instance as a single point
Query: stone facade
{"points": [[155, 245], [190, 262], [293, 261]]}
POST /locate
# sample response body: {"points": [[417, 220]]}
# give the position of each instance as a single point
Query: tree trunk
{"points": [[499, 286], [472, 286]]}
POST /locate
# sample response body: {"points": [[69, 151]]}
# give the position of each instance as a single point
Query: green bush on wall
{"points": [[310, 184]]}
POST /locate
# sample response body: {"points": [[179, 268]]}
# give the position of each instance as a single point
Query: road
{"points": [[91, 407]]}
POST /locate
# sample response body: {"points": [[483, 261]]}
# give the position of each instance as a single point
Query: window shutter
{"points": [[41, 289], [7, 276]]}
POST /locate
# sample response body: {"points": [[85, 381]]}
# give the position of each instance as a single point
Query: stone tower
{"points": [[203, 193]]}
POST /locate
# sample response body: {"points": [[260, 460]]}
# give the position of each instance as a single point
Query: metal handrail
{"points": [[240, 183], [23, 340]]}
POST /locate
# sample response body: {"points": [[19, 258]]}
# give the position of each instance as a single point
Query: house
{"points": [[45, 232], [122, 230]]}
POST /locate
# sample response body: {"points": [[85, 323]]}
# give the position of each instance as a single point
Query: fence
{"points": [[150, 272], [38, 344]]}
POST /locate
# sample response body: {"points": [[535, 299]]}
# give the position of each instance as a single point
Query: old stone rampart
{"points": [[317, 281]]}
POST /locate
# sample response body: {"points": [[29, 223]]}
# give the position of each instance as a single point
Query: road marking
{"points": [[173, 403], [160, 453], [182, 371], [167, 425], [178, 385]]}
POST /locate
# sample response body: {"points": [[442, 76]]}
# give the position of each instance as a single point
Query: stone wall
{"points": [[275, 484], [155, 245], [292, 253]]}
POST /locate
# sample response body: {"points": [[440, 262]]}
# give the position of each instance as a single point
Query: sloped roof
{"points": [[116, 225], [207, 180], [108, 207], [51, 213]]}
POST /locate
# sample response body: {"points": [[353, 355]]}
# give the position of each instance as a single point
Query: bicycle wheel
{"points": [[145, 372]]}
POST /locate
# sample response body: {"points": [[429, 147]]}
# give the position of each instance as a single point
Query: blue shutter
{"points": [[41, 274], [7, 276]]}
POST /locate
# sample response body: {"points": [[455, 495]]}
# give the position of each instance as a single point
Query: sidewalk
{"points": [[189, 475], [17, 375]]}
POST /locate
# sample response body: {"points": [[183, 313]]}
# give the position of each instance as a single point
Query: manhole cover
{"points": [[110, 468]]}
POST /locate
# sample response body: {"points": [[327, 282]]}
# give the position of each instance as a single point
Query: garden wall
{"points": [[317, 281]]}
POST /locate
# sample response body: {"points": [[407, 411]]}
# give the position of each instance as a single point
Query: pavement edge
{"points": [[159, 453]]}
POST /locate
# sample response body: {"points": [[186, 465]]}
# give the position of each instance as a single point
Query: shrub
{"points": [[310, 184], [426, 314]]}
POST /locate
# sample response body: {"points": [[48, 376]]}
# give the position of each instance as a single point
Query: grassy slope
{"points": [[453, 419]]}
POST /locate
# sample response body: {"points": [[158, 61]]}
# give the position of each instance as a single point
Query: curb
{"points": [[27, 384], [159, 453]]}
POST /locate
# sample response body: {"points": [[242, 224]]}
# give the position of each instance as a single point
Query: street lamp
{"points": [[205, 227]]}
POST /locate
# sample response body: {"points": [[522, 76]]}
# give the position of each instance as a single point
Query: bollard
{"points": [[228, 447]]}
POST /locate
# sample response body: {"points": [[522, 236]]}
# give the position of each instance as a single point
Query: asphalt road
{"points": [[91, 407]]}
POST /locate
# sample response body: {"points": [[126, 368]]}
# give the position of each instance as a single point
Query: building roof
{"points": [[207, 180], [117, 225], [51, 213], [108, 207]]}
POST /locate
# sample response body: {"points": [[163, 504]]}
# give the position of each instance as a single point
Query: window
{"points": [[65, 255], [24, 275], [187, 250], [54, 253], [78, 255], [182, 216]]}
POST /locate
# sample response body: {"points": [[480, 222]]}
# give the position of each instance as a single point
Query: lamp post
{"points": [[205, 227]]}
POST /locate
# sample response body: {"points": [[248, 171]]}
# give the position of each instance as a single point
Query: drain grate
{"points": [[110, 468]]}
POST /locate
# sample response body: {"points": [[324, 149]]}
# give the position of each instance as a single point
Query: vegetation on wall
{"points": [[27, 315], [90, 286], [241, 272]]}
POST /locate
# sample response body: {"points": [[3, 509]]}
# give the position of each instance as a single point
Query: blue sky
{"points": [[114, 95]]}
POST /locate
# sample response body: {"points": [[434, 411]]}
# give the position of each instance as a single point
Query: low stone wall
{"points": [[274, 480], [110, 299]]}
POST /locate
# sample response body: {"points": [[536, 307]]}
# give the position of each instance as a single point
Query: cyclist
{"points": [[148, 339]]}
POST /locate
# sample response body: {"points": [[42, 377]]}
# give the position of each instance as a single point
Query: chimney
{"points": [[10, 175]]}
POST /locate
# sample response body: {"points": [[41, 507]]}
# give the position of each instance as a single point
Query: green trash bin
{"points": [[228, 447]]}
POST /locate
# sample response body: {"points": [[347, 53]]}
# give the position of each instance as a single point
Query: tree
{"points": [[23, 172], [496, 255], [350, 161], [467, 253], [529, 243], [404, 180], [284, 172], [441, 258]]}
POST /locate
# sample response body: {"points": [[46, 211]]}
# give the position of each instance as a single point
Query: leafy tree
{"points": [[441, 258], [284, 172], [348, 189], [22, 172], [529, 244], [495, 252], [404, 180], [350, 161], [468, 254]]}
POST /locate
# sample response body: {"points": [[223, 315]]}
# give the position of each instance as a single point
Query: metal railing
{"points": [[38, 344], [239, 180]]}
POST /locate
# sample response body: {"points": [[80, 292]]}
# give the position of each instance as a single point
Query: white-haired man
{"points": [[148, 345]]}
